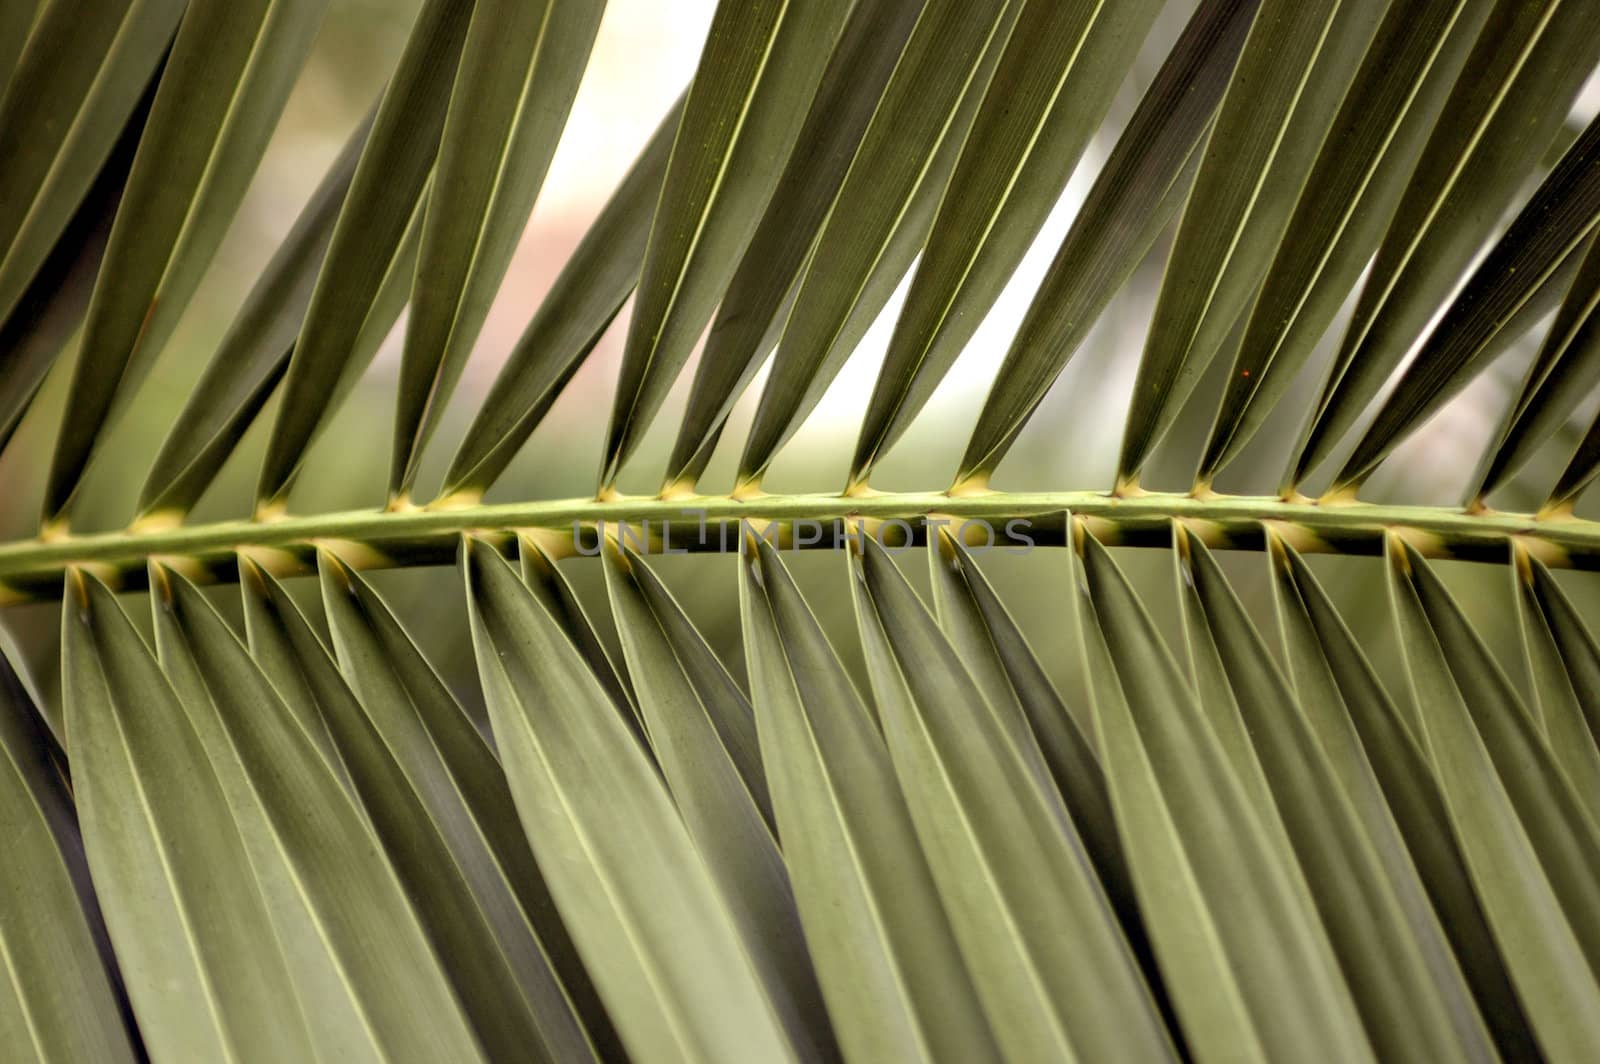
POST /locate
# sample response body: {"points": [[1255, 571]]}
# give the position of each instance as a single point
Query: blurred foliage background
{"points": [[645, 54]]}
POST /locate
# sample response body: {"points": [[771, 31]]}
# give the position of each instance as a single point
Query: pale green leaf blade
{"points": [[250, 360], [1053, 971], [1296, 65], [16, 21], [205, 973], [1564, 662], [79, 79], [591, 288], [1529, 848], [1516, 280], [223, 87], [1340, 215], [643, 909], [1580, 471], [1564, 373], [1524, 71], [1397, 962], [754, 307], [880, 216], [1062, 66], [61, 998], [761, 65], [1140, 188], [519, 71], [891, 973], [703, 733], [388, 189], [1386, 773], [367, 978], [463, 893], [1247, 962]]}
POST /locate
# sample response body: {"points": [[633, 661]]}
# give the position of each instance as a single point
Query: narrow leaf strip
{"points": [[1060, 71], [1053, 970], [1140, 188], [592, 286], [232, 65], [646, 915], [1513, 283], [1513, 94], [385, 192], [753, 309], [894, 981], [520, 66], [759, 70], [1361, 172], [881, 214], [1296, 65], [1247, 962], [1529, 847]]}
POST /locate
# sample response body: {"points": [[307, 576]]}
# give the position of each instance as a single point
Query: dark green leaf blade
{"points": [[1054, 83], [206, 976], [753, 309], [1294, 69], [586, 296], [1529, 847], [1141, 186], [1386, 771], [1339, 216], [761, 65], [894, 981], [1054, 973], [1524, 71], [388, 189], [464, 893], [519, 72], [222, 89], [1247, 962], [881, 214], [1515, 281], [1397, 961], [61, 998]]}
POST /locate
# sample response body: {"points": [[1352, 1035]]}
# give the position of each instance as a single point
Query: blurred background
{"points": [[645, 54]]}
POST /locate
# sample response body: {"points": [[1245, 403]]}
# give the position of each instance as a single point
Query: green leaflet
{"points": [[755, 303], [61, 998], [647, 917], [520, 66], [480, 905], [894, 981], [703, 733], [1397, 962], [1580, 470], [1245, 958], [385, 192], [223, 87], [1053, 971], [881, 214], [1141, 186], [184, 911], [1295, 67], [1530, 848], [250, 360], [15, 22], [1348, 200], [1514, 283], [79, 79], [1566, 369], [1524, 70], [762, 63], [368, 982], [1386, 774], [1054, 83], [585, 297]]}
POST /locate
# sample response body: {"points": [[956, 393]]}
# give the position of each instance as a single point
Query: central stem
{"points": [[33, 569]]}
